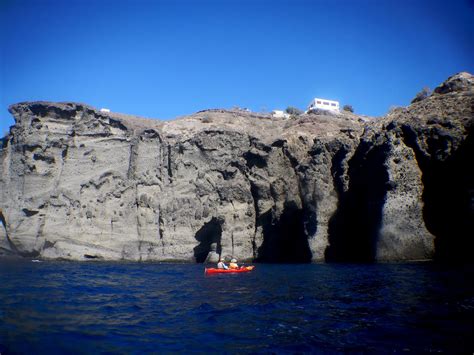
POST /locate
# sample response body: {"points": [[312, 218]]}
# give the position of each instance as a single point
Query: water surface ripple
{"points": [[61, 307]]}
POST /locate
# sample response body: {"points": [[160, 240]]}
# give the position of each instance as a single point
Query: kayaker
{"points": [[221, 265], [233, 264]]}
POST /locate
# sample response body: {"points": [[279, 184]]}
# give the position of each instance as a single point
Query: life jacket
{"points": [[233, 266]]}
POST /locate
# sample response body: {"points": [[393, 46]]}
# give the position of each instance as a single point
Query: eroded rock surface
{"points": [[77, 183]]}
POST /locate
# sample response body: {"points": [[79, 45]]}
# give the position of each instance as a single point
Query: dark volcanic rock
{"points": [[460, 82], [77, 183]]}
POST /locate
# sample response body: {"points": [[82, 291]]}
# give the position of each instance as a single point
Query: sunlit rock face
{"points": [[77, 183]]}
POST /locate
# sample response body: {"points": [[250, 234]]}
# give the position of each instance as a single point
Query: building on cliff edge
{"points": [[323, 104], [280, 114]]}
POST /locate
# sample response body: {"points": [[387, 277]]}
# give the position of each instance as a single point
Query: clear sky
{"points": [[164, 59]]}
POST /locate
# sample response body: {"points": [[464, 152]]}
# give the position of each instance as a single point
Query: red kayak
{"points": [[211, 270]]}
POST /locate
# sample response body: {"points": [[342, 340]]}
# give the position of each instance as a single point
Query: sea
{"points": [[57, 307]]}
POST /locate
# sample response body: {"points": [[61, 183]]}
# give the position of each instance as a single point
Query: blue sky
{"points": [[164, 59]]}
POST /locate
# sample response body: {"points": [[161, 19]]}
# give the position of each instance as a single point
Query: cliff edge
{"points": [[77, 183]]}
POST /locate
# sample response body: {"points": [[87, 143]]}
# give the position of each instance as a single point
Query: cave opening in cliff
{"points": [[448, 193], [11, 246], [209, 238], [3, 224], [284, 239], [354, 227]]}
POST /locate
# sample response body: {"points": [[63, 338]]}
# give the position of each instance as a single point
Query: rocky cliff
{"points": [[77, 183]]}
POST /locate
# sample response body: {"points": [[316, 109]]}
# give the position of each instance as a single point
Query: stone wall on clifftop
{"points": [[77, 183]]}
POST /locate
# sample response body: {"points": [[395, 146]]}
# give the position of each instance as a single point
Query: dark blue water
{"points": [[59, 307]]}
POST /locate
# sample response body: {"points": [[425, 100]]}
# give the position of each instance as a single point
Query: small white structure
{"points": [[279, 114], [323, 104], [104, 110]]}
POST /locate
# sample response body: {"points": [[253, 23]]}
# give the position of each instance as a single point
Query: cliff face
{"points": [[77, 183]]}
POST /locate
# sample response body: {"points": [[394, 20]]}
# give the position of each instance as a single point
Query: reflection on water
{"points": [[125, 307]]}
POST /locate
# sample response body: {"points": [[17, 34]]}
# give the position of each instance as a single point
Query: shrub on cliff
{"points": [[348, 108], [395, 109], [206, 119], [423, 94], [293, 111]]}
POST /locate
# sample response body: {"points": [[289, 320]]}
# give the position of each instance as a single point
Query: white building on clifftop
{"points": [[280, 114], [323, 104]]}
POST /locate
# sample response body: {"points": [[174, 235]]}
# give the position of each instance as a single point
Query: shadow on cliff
{"points": [[209, 238], [284, 239], [12, 247], [448, 193], [354, 227]]}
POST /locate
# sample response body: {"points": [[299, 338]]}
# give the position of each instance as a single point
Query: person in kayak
{"points": [[233, 264], [221, 265]]}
